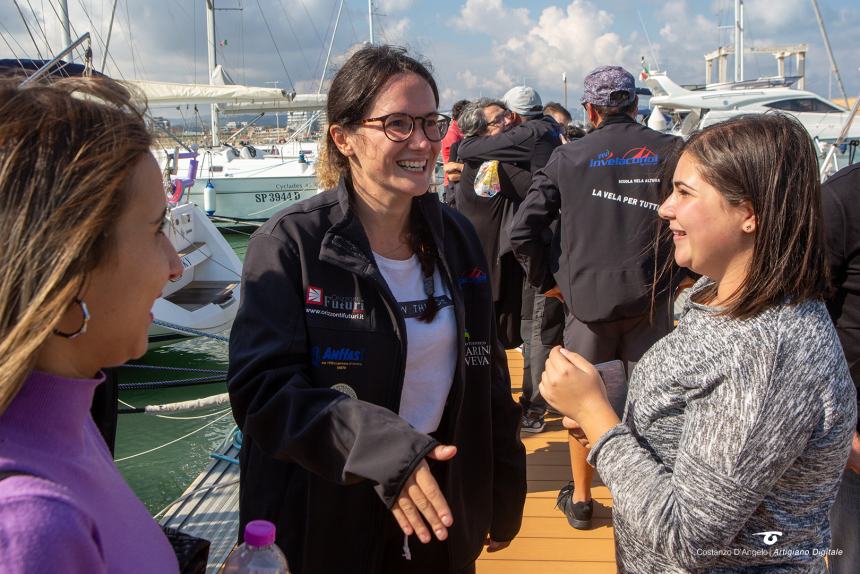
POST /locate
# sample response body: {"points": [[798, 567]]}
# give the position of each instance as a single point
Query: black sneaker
{"points": [[578, 513], [532, 423]]}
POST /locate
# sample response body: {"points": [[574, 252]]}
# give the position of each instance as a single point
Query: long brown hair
{"points": [[67, 150], [351, 95], [768, 160]]}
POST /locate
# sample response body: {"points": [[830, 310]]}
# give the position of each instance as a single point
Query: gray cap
{"points": [[609, 86], [523, 100]]}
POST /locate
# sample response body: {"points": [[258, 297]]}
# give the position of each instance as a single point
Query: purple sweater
{"points": [[80, 515]]}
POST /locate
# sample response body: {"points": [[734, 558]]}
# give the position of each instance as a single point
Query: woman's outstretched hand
{"points": [[421, 497]]}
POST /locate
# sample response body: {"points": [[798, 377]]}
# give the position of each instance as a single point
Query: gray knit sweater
{"points": [[733, 429]]}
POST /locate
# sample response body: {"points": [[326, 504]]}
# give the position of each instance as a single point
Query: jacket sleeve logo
{"points": [[314, 295]]}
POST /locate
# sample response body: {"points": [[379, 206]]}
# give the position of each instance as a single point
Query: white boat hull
{"points": [[205, 299], [254, 199]]}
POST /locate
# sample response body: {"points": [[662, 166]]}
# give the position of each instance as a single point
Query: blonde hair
{"points": [[67, 150]]}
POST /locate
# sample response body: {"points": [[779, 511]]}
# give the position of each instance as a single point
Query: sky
{"points": [[476, 47]]}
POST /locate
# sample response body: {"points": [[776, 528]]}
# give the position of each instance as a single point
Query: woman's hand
{"points": [[421, 496], [571, 384]]}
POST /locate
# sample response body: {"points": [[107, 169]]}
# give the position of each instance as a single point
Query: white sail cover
{"points": [[171, 94], [299, 103]]}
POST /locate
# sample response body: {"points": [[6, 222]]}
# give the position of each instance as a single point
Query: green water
{"points": [[162, 475]]}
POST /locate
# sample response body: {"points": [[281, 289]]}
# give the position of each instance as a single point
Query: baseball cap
{"points": [[523, 100], [609, 86]]}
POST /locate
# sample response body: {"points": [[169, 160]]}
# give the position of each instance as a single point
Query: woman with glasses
{"points": [[379, 430]]}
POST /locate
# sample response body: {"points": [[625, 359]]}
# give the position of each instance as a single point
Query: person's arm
{"points": [[514, 145], [453, 170], [43, 534], [737, 441], [275, 403], [534, 216], [833, 217]]}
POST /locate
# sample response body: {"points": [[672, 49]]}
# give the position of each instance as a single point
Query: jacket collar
{"points": [[345, 244], [616, 119]]}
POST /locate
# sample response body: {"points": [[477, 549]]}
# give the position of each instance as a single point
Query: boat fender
{"points": [[210, 199]]}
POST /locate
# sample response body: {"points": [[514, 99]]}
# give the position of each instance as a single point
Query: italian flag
{"points": [[643, 75]]}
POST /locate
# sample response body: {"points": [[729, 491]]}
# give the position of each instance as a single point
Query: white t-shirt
{"points": [[431, 353]]}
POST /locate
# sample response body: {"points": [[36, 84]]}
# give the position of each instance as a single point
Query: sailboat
{"points": [[239, 183]]}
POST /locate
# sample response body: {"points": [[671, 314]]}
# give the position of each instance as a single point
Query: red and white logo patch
{"points": [[315, 295]]}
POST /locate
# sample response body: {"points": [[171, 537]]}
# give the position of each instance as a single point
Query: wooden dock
{"points": [[546, 542]]}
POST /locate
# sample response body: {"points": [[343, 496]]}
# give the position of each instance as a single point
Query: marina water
{"points": [[166, 469]]}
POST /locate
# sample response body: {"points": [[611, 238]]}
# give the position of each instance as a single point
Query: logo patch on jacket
{"points": [[473, 277], [333, 306], [314, 296], [340, 357], [477, 353], [641, 155]]}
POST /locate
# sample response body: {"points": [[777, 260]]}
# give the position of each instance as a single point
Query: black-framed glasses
{"points": [[500, 119], [399, 126]]}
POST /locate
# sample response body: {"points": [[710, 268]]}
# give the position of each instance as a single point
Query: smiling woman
{"points": [[85, 257], [738, 422], [364, 407]]}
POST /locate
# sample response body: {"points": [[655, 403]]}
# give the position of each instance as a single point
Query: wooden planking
{"points": [[546, 541], [558, 549], [506, 566]]}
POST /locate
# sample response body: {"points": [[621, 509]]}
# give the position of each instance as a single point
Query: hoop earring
{"points": [[83, 328]]}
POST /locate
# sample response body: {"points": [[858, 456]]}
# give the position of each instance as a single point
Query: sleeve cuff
{"points": [[390, 491], [617, 430]]}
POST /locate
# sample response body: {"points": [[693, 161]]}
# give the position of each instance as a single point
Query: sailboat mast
{"points": [[210, 41], [833, 66], [739, 40], [331, 44], [67, 35], [370, 18]]}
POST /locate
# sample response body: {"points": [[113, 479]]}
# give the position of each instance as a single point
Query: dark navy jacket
{"points": [[840, 199], [316, 321], [605, 190]]}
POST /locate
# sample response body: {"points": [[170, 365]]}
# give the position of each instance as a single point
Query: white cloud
{"points": [[571, 40], [686, 39], [493, 18], [397, 32], [769, 17]]}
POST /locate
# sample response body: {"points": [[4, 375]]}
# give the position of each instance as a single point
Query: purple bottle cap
{"points": [[259, 533]]}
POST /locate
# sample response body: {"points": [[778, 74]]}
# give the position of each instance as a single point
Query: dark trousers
{"points": [[625, 340], [430, 558], [540, 333]]}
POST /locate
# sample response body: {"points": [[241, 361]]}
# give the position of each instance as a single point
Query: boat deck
{"points": [[546, 542]]}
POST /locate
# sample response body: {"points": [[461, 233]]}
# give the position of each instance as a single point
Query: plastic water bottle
{"points": [[258, 554]]}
